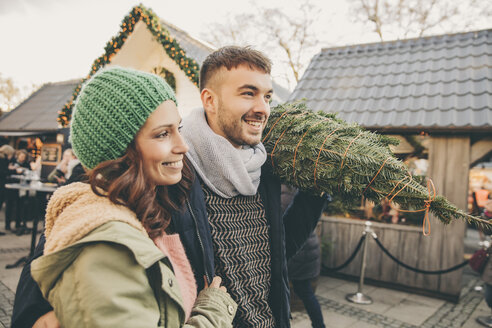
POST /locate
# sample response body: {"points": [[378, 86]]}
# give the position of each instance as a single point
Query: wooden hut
{"points": [[33, 125], [439, 86]]}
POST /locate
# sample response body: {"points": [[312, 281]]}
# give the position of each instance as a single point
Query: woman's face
{"points": [[21, 157], [67, 155], [161, 146]]}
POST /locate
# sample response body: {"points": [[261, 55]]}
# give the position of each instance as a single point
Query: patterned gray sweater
{"points": [[241, 240]]}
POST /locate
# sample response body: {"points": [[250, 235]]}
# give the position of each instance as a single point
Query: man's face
{"points": [[241, 106]]}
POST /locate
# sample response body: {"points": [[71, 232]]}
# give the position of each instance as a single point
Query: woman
{"points": [[21, 163], [111, 259], [68, 170], [61, 169], [15, 207]]}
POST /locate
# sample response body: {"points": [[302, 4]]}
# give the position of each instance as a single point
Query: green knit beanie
{"points": [[109, 111]]}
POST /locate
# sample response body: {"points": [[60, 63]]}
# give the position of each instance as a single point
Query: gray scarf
{"points": [[227, 171]]}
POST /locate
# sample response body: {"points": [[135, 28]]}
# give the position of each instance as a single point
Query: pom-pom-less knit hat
{"points": [[109, 111]]}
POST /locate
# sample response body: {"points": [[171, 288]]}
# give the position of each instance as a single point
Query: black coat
{"points": [[288, 233], [78, 174], [306, 263], [4, 170]]}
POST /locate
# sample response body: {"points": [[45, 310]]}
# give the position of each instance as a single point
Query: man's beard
{"points": [[233, 129]]}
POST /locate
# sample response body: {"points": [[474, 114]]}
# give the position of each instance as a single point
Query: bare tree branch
{"points": [[9, 94], [416, 18], [290, 37]]}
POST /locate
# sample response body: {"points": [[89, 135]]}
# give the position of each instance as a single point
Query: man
{"points": [[232, 224]]}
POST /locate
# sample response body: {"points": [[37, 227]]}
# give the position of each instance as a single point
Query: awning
{"points": [[23, 133]]}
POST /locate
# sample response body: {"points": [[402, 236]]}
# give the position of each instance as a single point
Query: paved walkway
{"points": [[393, 308], [390, 308], [12, 248]]}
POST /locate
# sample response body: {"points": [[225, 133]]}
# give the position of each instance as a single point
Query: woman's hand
{"points": [[48, 320], [60, 180], [216, 284]]}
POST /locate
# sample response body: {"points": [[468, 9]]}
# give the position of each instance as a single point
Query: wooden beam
{"points": [[480, 149], [448, 167], [403, 147]]}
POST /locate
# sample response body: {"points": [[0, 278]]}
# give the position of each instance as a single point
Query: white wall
{"points": [[141, 51]]}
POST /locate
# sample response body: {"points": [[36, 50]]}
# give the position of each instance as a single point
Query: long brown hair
{"points": [[124, 183]]}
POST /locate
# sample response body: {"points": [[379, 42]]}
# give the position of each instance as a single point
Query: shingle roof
{"points": [[434, 83], [38, 113], [196, 49]]}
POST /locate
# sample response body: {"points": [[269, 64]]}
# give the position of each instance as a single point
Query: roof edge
{"points": [[431, 130], [24, 101], [205, 43], [67, 82], [437, 37]]}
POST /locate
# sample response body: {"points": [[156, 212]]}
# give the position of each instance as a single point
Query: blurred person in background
{"points": [[14, 207], [21, 163], [304, 267], [68, 170], [6, 155], [487, 273]]}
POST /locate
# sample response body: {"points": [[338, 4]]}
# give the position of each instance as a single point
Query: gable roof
{"points": [[38, 113], [433, 83]]}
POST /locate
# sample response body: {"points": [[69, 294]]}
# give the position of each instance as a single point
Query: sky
{"points": [[51, 40]]}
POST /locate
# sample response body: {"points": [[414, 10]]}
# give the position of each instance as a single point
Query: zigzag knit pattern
{"points": [[241, 239]]}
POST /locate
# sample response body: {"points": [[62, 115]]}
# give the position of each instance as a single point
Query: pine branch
{"points": [[318, 152]]}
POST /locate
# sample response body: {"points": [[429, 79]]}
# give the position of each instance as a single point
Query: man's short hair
{"points": [[231, 57]]}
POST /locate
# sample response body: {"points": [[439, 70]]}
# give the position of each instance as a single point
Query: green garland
{"points": [[189, 66], [166, 75]]}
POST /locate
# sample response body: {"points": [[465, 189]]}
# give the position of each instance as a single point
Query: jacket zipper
{"points": [[199, 240]]}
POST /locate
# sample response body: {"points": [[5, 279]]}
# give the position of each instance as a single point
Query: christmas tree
{"points": [[318, 152]]}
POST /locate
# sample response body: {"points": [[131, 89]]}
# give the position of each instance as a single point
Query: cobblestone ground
{"points": [[343, 314], [6, 304], [378, 320], [455, 315], [449, 315]]}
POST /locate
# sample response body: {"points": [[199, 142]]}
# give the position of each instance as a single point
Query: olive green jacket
{"points": [[114, 275]]}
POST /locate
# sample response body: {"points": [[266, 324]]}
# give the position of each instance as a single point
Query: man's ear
{"points": [[209, 100]]}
